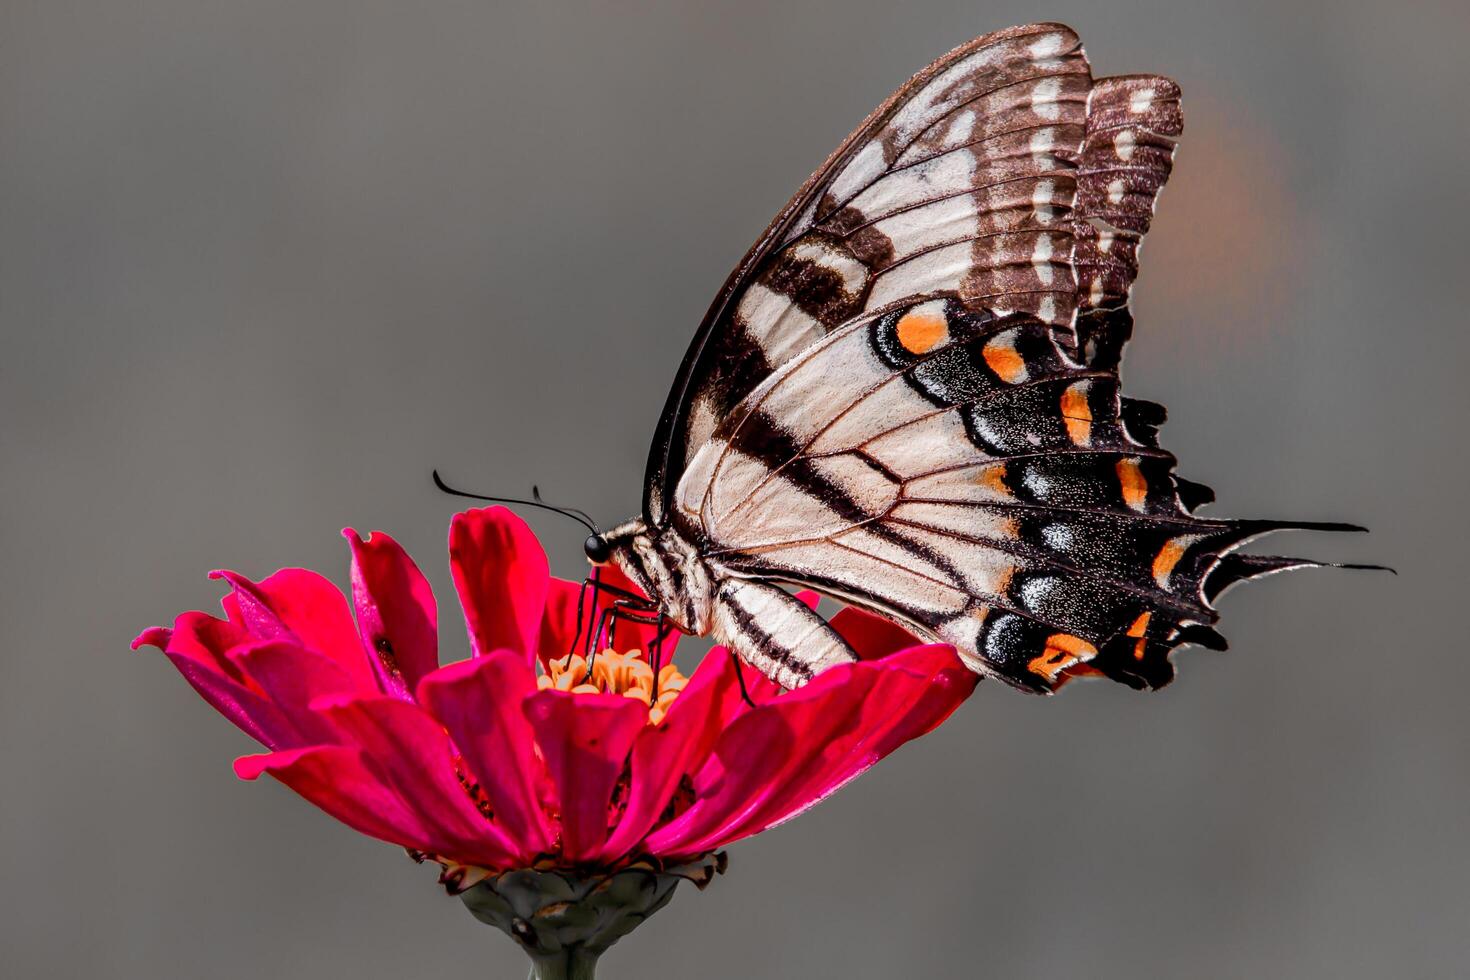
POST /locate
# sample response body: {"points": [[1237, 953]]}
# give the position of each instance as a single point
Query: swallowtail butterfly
{"points": [[906, 396]]}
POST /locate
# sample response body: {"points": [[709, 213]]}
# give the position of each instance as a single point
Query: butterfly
{"points": [[906, 397]]}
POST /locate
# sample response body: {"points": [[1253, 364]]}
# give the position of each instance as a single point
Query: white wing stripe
{"points": [[782, 328], [938, 223]]}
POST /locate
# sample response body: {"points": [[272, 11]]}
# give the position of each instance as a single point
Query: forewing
{"points": [[960, 472], [963, 181]]}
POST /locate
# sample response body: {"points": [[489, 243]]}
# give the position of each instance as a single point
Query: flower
{"points": [[490, 769]]}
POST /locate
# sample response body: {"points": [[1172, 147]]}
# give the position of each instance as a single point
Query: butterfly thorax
{"points": [[668, 568]]}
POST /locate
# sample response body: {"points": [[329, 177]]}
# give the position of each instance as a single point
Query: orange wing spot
{"points": [[1078, 670], [1062, 650], [1077, 413], [993, 478], [1000, 354], [1131, 479], [1139, 629], [1168, 557], [922, 332], [1140, 625]]}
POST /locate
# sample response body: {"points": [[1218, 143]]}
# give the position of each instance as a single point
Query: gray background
{"points": [[263, 264]]}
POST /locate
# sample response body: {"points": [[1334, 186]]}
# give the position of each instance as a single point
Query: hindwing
{"points": [[961, 473]]}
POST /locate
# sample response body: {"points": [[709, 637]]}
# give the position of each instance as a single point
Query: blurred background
{"points": [[263, 264]]}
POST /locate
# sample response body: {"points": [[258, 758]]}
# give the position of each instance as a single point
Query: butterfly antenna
{"points": [[576, 515], [536, 496]]}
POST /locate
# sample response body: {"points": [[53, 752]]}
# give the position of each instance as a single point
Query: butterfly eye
{"points": [[597, 549]]}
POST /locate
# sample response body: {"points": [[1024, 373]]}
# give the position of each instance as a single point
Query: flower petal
{"points": [[480, 702], [293, 678], [915, 690], [251, 713], [871, 636], [501, 575], [759, 753], [396, 614], [664, 753], [154, 636], [198, 646], [559, 634], [200, 637], [407, 751], [337, 779], [814, 741], [585, 739], [303, 607]]}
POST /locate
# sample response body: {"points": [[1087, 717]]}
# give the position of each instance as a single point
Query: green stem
{"points": [[571, 964]]}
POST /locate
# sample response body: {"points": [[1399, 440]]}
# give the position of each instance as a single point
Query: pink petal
{"points": [[872, 636], [408, 752], [338, 780], [396, 614], [915, 690], [201, 638], [501, 575], [198, 646], [559, 634], [303, 607], [290, 675], [664, 753], [759, 753], [480, 702], [831, 731], [251, 713], [157, 636], [585, 739]]}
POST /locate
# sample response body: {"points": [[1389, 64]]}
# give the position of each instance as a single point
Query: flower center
{"points": [[627, 674]]}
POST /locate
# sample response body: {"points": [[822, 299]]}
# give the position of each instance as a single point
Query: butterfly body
{"points": [[669, 568], [906, 397]]}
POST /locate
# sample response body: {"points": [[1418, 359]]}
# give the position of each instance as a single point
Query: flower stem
{"points": [[571, 964]]}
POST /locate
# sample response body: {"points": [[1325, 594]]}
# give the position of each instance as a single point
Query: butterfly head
{"points": [[665, 565], [597, 548]]}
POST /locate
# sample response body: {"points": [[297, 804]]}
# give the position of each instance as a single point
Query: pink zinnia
{"points": [[583, 774]]}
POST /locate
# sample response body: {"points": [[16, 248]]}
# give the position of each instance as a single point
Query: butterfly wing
{"points": [[961, 473], [907, 395], [965, 180]]}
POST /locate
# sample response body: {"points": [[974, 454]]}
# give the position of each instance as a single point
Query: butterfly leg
{"points": [[776, 633], [744, 691]]}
